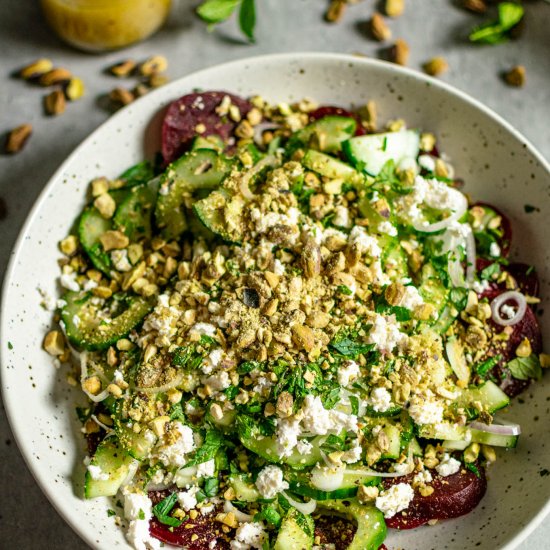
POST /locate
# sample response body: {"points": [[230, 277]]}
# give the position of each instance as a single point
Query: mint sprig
{"points": [[217, 11]]}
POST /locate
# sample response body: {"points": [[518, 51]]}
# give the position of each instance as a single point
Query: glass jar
{"points": [[99, 25]]}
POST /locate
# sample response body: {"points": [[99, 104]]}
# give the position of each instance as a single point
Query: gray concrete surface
{"points": [[432, 27]]}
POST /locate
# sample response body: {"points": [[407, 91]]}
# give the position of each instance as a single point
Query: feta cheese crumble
{"points": [[206, 469], [395, 499], [348, 372], [174, 453], [385, 334], [270, 482], [96, 473], [426, 410], [448, 466], [249, 535], [188, 499], [380, 399]]}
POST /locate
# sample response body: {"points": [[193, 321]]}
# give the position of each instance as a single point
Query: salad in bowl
{"points": [[294, 330]]}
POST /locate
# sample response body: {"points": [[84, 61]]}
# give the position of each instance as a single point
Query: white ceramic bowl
{"points": [[498, 165]]}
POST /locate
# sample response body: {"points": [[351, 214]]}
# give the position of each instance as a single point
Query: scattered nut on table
{"points": [[435, 66], [379, 30], [515, 76], [17, 138]]}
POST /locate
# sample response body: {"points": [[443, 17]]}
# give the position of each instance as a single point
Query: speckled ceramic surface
{"points": [[498, 166]]}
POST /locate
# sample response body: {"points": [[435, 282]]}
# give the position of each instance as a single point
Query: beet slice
{"points": [[332, 110], [528, 328], [184, 114], [526, 277], [204, 527], [453, 496]]}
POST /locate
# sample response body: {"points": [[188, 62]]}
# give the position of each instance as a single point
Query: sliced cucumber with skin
{"points": [[267, 448], [209, 142], [134, 215], [444, 431], [85, 330], [330, 167], [202, 169], [414, 447], [245, 490], [91, 226], [495, 440], [394, 437], [137, 445], [325, 134], [491, 397], [222, 213], [350, 484], [291, 535], [371, 152], [371, 527], [138, 174], [114, 462]]}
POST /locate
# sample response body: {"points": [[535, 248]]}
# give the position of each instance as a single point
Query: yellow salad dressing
{"points": [[98, 25]]}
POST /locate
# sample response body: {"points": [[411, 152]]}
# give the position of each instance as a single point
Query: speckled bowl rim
{"points": [[10, 401]]}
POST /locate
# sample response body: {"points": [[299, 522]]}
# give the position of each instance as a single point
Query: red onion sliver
{"points": [[501, 299], [498, 429]]}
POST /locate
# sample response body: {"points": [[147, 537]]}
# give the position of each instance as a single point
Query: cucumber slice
{"points": [[138, 174], [209, 142], [394, 436], [115, 463], [325, 134], [350, 484], [137, 445], [202, 169], [292, 533], [267, 448], [488, 394], [444, 430], [414, 447], [371, 152], [90, 228], [134, 215], [394, 259], [222, 213], [244, 489], [496, 440], [87, 330], [371, 527], [330, 167], [455, 356]]}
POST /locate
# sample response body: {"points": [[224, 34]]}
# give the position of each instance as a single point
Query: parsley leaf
{"points": [[496, 32], [163, 509], [213, 441], [524, 368]]}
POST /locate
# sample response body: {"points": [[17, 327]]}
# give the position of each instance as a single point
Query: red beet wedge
{"points": [[453, 496], [204, 527], [186, 113]]}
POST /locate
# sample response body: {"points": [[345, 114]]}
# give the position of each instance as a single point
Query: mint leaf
{"points": [[163, 508], [213, 441], [216, 11], [482, 369], [348, 348], [247, 18], [524, 368], [343, 289], [496, 32]]}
